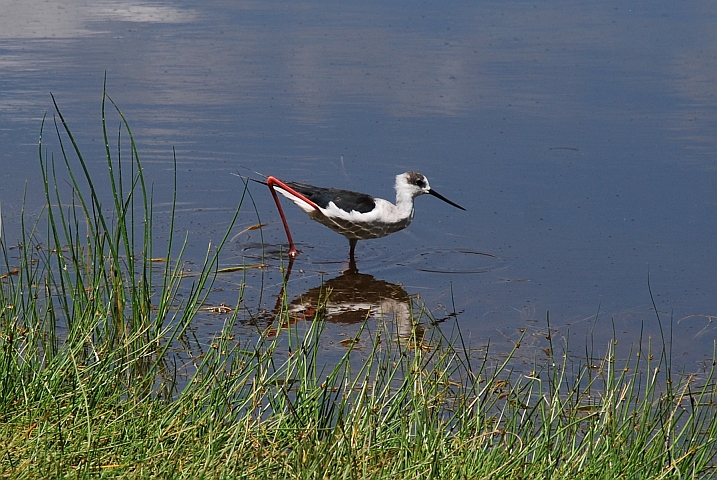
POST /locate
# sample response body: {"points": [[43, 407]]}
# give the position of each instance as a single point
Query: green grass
{"points": [[90, 386]]}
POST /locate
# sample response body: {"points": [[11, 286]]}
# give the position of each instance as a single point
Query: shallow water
{"points": [[580, 139]]}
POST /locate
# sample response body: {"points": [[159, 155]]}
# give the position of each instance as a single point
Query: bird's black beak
{"points": [[438, 195]]}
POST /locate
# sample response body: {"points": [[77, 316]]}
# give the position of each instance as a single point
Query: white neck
{"points": [[404, 204]]}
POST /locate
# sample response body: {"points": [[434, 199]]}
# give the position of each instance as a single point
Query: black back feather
{"points": [[344, 199]]}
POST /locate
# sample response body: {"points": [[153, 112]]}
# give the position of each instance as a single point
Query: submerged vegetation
{"points": [[89, 383]]}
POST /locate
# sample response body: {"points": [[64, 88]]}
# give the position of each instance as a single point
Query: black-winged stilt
{"points": [[356, 216]]}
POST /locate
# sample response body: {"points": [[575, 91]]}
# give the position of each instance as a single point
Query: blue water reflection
{"points": [[580, 138]]}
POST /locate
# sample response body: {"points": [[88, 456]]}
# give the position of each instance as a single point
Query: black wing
{"points": [[344, 199]]}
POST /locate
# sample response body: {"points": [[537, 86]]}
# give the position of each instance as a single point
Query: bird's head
{"points": [[414, 184]]}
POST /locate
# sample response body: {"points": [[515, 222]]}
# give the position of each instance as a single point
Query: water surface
{"points": [[580, 139]]}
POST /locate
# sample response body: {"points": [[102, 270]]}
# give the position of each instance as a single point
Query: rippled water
{"points": [[579, 137]]}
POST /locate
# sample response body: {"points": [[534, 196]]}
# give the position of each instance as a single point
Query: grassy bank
{"points": [[89, 311]]}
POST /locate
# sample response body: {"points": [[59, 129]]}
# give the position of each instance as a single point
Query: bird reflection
{"points": [[353, 297]]}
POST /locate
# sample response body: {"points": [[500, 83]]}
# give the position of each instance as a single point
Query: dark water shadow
{"points": [[350, 298]]}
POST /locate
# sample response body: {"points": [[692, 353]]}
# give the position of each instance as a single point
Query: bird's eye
{"points": [[421, 183]]}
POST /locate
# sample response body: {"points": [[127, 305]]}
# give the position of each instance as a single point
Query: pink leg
{"points": [[271, 181]]}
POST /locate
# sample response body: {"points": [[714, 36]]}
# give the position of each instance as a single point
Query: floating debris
{"points": [[239, 268], [347, 342], [221, 308], [11, 272]]}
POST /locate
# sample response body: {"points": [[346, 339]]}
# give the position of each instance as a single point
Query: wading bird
{"points": [[356, 216]]}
